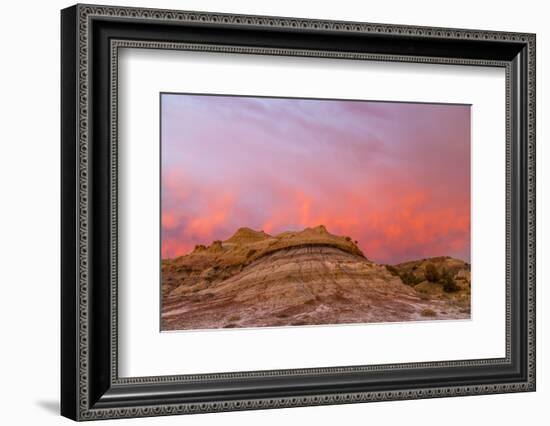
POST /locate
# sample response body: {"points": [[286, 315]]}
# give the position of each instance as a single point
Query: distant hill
{"points": [[441, 275], [295, 278]]}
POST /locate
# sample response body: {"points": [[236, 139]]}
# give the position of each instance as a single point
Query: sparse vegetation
{"points": [[409, 278], [436, 274], [449, 284], [428, 313], [432, 274]]}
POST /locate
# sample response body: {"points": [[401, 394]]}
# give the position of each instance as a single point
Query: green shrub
{"points": [[410, 279], [449, 284], [432, 274]]}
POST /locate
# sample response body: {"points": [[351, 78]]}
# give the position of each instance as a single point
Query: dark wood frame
{"points": [[91, 37]]}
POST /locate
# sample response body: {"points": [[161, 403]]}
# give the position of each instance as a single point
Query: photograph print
{"points": [[280, 212]]}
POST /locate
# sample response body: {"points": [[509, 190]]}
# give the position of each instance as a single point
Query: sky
{"points": [[393, 176]]}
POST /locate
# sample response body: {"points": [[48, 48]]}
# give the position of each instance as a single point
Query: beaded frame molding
{"points": [[91, 39]]}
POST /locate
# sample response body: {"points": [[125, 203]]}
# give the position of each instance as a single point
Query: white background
{"points": [[29, 225], [146, 352]]}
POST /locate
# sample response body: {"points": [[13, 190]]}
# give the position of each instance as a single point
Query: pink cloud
{"points": [[395, 177]]}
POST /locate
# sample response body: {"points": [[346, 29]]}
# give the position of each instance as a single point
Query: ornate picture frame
{"points": [[91, 37]]}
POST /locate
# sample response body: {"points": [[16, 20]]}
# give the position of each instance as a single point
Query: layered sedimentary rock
{"points": [[296, 278]]}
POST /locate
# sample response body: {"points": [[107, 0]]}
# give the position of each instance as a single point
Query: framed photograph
{"points": [[263, 212]]}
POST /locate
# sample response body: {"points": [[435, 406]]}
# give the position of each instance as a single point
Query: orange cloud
{"points": [[394, 177]]}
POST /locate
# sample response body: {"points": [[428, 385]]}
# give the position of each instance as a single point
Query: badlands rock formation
{"points": [[295, 278]]}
